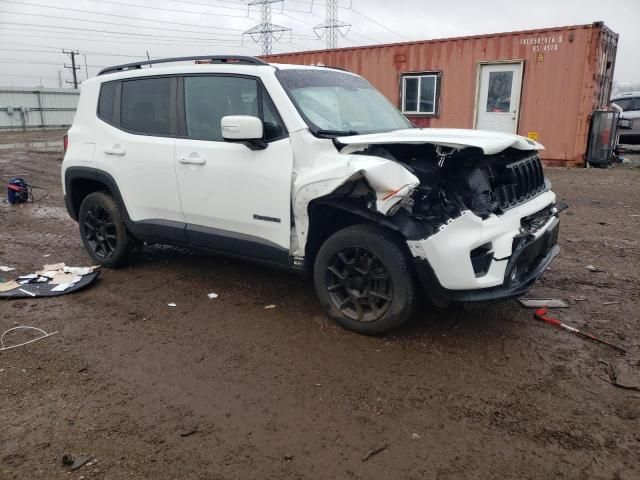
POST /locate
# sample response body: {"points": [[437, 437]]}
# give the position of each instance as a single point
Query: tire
{"points": [[365, 265], [103, 232]]}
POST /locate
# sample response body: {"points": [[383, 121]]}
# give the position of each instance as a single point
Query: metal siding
{"points": [[558, 93], [47, 107]]}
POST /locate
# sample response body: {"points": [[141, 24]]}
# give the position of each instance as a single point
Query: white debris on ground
{"points": [[58, 274]]}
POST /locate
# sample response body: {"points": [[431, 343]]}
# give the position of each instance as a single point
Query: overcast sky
{"points": [[33, 32]]}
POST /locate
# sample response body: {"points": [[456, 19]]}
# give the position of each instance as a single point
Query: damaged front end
{"points": [[481, 222]]}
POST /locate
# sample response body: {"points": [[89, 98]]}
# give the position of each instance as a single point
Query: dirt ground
{"points": [[226, 389]]}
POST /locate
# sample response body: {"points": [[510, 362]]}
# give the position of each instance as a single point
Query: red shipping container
{"points": [[543, 83]]}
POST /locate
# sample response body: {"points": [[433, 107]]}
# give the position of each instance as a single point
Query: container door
{"points": [[499, 97]]}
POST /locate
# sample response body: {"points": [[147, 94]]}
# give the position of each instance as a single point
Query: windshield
{"points": [[334, 103]]}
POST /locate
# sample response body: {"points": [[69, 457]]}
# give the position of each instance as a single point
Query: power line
{"points": [[379, 24], [93, 31], [109, 23], [44, 62], [173, 10], [27, 76], [94, 12], [109, 39], [57, 51], [209, 5]]}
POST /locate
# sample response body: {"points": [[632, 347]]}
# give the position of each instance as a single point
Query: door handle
{"points": [[115, 150], [192, 159]]}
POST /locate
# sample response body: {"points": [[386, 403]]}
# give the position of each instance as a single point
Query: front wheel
{"points": [[363, 280], [103, 231]]}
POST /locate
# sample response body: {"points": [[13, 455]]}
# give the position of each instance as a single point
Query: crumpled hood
{"points": [[490, 142]]}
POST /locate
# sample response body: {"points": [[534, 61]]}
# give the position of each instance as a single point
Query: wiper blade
{"points": [[335, 133]]}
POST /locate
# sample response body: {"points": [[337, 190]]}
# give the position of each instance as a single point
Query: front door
{"points": [[498, 105], [235, 199]]}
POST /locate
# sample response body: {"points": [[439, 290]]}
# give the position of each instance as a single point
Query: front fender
{"points": [[390, 182]]}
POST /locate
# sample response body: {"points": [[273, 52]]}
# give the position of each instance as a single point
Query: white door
{"points": [[499, 97], [139, 152], [234, 199]]}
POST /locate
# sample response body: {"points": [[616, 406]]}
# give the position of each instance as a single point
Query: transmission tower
{"points": [[332, 28], [266, 32]]}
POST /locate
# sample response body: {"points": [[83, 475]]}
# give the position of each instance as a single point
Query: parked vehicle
{"points": [[312, 169], [630, 124]]}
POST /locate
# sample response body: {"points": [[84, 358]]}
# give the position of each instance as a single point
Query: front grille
{"points": [[523, 180]]}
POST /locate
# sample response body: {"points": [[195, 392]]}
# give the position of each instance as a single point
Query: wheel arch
{"points": [[328, 215], [81, 181]]}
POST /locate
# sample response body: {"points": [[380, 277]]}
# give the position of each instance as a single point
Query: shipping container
{"points": [[543, 84]]}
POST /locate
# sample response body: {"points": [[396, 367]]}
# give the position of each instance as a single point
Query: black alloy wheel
{"points": [[103, 232], [100, 232], [359, 284]]}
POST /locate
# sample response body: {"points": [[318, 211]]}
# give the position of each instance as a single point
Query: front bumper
{"points": [[523, 270], [512, 255]]}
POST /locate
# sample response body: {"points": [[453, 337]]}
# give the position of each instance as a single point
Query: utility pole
{"points": [[60, 78], [266, 32], [73, 66], [332, 28]]}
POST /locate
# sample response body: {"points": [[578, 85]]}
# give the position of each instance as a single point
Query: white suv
{"points": [[311, 169]]}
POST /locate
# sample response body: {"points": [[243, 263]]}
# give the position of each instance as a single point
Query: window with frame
{"points": [[146, 106], [209, 98], [630, 104], [420, 94], [106, 101]]}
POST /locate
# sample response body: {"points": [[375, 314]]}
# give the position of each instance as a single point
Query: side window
{"points": [[106, 101], [623, 103], [146, 106], [635, 105], [273, 126], [420, 93], [208, 99]]}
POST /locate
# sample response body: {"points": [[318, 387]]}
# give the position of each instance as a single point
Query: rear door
{"points": [[135, 145], [234, 199], [498, 103]]}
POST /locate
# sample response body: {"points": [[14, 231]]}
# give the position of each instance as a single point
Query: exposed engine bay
{"points": [[451, 181]]}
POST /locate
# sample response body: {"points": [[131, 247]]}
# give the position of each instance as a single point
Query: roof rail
{"points": [[232, 59]]}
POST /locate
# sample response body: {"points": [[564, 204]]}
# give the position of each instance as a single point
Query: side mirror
{"points": [[243, 129]]}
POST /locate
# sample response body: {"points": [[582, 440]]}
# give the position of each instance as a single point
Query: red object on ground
{"points": [[541, 314]]}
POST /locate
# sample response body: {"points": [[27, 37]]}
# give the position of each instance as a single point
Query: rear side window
{"points": [[106, 101], [146, 106]]}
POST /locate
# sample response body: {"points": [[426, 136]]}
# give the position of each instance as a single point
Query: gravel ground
{"points": [[226, 389]]}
